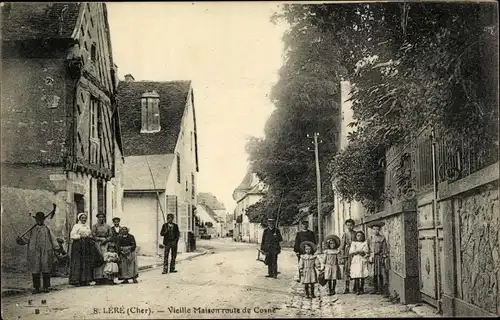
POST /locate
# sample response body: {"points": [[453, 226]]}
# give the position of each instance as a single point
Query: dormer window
{"points": [[150, 111]]}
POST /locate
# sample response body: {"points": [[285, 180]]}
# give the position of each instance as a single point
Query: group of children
{"points": [[355, 252]]}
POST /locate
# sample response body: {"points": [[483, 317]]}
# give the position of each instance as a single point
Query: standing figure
{"points": [[114, 231], [101, 232], [304, 235], [41, 245], [84, 254], [111, 270], [345, 244], [378, 253], [128, 259], [170, 233], [61, 259], [270, 245], [308, 264], [359, 252], [331, 262]]}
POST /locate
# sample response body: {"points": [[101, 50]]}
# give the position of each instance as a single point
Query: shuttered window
{"points": [[150, 112]]}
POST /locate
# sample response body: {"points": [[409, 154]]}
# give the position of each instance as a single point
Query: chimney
{"points": [[129, 77]]}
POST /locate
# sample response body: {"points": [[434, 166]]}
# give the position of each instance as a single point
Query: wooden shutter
{"points": [[183, 217], [144, 114], [172, 206]]}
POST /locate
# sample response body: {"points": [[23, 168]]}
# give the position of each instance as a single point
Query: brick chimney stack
{"points": [[129, 77]]}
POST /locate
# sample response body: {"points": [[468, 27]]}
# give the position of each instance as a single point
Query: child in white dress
{"points": [[111, 259], [359, 252]]}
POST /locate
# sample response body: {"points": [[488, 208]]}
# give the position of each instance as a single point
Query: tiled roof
{"points": [[246, 182], [39, 20], [210, 200], [211, 213], [173, 99], [138, 177]]}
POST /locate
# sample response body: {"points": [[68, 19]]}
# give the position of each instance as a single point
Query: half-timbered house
{"points": [[60, 127]]}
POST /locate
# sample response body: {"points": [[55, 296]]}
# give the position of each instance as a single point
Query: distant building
{"points": [[205, 215], [211, 202], [61, 140], [249, 192], [161, 159]]}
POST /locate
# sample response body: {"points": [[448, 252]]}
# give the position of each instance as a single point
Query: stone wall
{"points": [[479, 233], [393, 231]]}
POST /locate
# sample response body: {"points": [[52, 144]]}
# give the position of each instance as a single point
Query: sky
{"points": [[230, 51]]}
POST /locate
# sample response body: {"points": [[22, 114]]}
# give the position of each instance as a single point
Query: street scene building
{"points": [[161, 158], [249, 192], [354, 173]]}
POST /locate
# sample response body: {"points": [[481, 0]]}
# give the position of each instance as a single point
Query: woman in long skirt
{"points": [[128, 260], [101, 232], [84, 254]]}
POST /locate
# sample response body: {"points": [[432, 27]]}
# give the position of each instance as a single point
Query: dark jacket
{"points": [[302, 236], [127, 241], [171, 235], [113, 235], [271, 241]]}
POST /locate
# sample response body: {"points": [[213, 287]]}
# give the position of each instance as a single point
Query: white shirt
{"points": [[80, 230]]}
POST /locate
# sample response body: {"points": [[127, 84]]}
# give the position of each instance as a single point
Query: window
{"points": [[191, 140], [93, 52], [178, 168], [94, 130], [192, 186], [150, 112]]}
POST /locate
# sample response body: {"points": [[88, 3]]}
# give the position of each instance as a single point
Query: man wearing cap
{"points": [[115, 231], [101, 232], [170, 233], [41, 243], [270, 245], [304, 235]]}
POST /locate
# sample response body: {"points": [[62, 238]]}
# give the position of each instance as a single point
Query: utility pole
{"points": [[318, 189]]}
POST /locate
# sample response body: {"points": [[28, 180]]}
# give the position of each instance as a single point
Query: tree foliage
{"points": [[412, 65]]}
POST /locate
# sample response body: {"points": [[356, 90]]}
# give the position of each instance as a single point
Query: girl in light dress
{"points": [[111, 269], [359, 252], [307, 267]]}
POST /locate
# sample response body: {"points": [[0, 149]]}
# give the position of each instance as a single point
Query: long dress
{"points": [[331, 264], [347, 238], [128, 258], [378, 253], [84, 255], [308, 264], [101, 231], [41, 245], [359, 264]]}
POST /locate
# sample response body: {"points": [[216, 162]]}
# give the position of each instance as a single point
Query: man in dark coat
{"points": [[270, 245], [170, 233], [115, 231], [304, 235]]}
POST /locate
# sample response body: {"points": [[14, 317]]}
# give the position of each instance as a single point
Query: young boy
{"points": [[378, 253], [347, 238]]}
